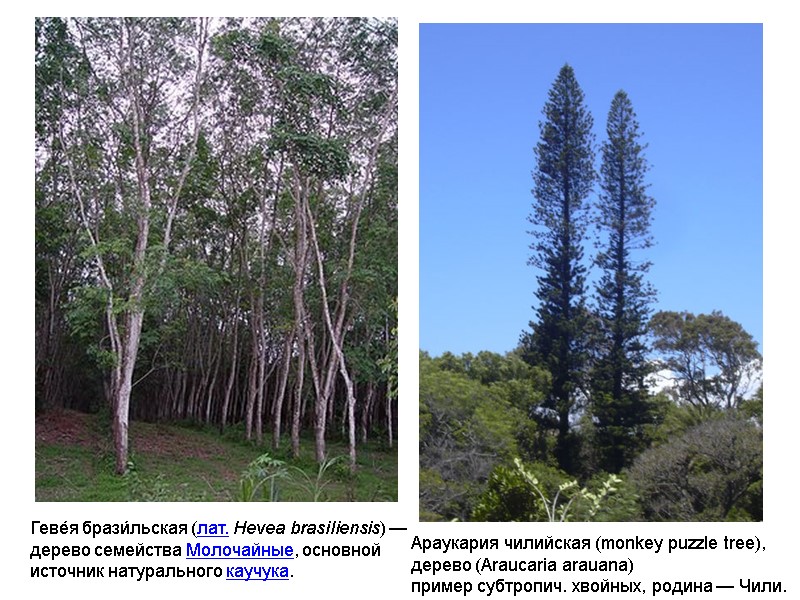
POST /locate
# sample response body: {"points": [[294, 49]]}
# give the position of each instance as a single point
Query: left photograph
{"points": [[216, 259]]}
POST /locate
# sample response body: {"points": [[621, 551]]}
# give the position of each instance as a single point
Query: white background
{"points": [[390, 574]]}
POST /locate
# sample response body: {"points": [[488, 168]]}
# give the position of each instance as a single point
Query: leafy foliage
{"points": [[712, 472], [714, 361], [265, 476], [465, 429], [509, 495], [537, 492], [216, 211], [262, 479]]}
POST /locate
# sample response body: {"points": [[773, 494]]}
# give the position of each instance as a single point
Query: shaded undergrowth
{"points": [[75, 463]]}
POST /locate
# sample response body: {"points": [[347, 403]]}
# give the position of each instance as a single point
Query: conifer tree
{"points": [[619, 398], [563, 179]]}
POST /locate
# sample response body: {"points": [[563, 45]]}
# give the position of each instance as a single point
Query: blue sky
{"points": [[697, 92]]}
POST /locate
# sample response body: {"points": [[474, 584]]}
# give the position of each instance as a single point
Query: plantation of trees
{"points": [[606, 410], [216, 226]]}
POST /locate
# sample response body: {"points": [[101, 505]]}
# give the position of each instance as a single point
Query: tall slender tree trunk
{"points": [[298, 400], [277, 405], [252, 384], [226, 402], [123, 396], [301, 324], [366, 409], [389, 424], [134, 315]]}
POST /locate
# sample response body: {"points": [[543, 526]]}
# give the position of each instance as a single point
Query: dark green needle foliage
{"points": [[620, 404], [563, 179]]}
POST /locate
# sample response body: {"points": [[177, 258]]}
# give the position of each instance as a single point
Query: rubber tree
{"points": [[129, 145]]}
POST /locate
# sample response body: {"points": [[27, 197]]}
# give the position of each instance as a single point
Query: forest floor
{"points": [[75, 462]]}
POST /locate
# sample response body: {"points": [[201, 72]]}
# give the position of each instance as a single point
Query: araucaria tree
{"points": [[563, 179], [619, 398]]}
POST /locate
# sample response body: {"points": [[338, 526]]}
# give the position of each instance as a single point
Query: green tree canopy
{"points": [[466, 428], [713, 360], [712, 472]]}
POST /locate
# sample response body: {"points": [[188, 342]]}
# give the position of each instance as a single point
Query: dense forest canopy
{"points": [[605, 410], [216, 224]]}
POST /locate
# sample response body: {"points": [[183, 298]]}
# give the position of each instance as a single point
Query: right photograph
{"points": [[591, 293]]}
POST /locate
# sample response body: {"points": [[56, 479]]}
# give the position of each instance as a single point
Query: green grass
{"points": [[187, 463]]}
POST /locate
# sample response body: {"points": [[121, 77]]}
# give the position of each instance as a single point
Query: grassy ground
{"points": [[75, 462]]}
